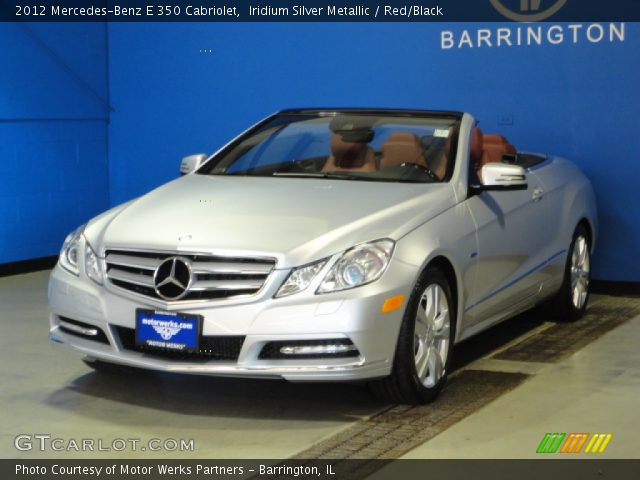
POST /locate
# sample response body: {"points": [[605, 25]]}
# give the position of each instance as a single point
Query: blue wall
{"points": [[170, 98], [53, 134], [578, 100]]}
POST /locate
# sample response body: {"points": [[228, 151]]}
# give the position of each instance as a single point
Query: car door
{"points": [[512, 235]]}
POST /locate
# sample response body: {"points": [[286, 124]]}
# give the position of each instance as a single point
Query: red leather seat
{"points": [[405, 147], [349, 156], [488, 148], [475, 149], [494, 139], [402, 147], [495, 146]]}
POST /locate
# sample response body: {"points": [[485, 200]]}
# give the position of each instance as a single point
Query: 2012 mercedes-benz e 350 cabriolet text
{"points": [[325, 245]]}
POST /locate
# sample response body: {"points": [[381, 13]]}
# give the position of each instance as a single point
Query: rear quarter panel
{"points": [[570, 198]]}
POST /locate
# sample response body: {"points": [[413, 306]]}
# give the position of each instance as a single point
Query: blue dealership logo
{"points": [[166, 332], [528, 10]]}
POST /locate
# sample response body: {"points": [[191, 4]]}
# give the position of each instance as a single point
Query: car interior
{"points": [[399, 150]]}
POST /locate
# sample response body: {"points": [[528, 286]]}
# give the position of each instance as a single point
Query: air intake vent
{"points": [[211, 348]]}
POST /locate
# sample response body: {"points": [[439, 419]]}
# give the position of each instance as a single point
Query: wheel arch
{"points": [[584, 222], [445, 265], [580, 207]]}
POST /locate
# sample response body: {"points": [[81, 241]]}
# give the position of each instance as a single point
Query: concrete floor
{"points": [[46, 390], [596, 390]]}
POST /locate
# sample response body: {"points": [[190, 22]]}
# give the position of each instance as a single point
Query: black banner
{"points": [[317, 10], [565, 469]]}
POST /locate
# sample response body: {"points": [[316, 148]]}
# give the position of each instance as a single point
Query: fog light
{"points": [[330, 349], [88, 332], [312, 348]]}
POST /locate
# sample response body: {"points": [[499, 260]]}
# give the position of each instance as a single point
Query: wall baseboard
{"points": [[27, 266], [608, 287]]}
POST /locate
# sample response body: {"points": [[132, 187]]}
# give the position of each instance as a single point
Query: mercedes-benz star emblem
{"points": [[173, 278]]}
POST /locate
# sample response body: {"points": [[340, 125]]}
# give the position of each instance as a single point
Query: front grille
{"points": [[98, 337], [213, 277], [211, 348]]}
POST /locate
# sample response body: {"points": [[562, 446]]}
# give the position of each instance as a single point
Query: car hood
{"points": [[295, 220]]}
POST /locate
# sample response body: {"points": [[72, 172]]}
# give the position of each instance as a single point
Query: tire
{"points": [[425, 343], [570, 303]]}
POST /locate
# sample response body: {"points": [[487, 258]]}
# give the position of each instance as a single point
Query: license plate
{"points": [[178, 332]]}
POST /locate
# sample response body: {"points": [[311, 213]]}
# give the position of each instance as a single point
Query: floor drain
{"points": [[401, 428]]}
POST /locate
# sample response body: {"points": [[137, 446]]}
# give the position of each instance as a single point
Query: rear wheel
{"points": [[571, 301], [423, 352]]}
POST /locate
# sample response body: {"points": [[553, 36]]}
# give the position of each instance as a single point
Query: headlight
{"points": [[70, 253], [92, 264], [358, 266], [300, 278]]}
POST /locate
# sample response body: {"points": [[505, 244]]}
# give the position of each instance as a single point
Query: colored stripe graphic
{"points": [[543, 443], [581, 442], [574, 442], [598, 443], [550, 442]]}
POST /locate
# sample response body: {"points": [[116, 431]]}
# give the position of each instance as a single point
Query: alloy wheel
{"points": [[580, 272], [432, 335]]}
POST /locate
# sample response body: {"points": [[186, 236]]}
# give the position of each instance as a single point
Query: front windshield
{"points": [[344, 145]]}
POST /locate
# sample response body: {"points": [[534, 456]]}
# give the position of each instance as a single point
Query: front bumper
{"points": [[353, 315]]}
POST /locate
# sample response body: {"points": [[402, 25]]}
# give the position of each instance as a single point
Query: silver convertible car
{"points": [[329, 245]]}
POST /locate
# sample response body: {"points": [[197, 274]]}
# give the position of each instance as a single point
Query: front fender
{"points": [[452, 237]]}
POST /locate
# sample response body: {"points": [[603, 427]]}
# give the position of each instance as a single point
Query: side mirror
{"points": [[501, 177], [191, 163]]}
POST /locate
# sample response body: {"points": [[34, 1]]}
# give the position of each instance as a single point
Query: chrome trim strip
{"points": [[199, 253], [204, 285], [123, 276], [213, 267], [133, 261]]}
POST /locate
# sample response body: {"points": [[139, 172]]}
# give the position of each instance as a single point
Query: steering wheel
{"points": [[422, 168]]}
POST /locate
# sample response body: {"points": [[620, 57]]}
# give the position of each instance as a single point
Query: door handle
{"points": [[538, 193]]}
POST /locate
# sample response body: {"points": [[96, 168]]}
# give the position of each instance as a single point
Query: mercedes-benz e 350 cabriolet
{"points": [[326, 245]]}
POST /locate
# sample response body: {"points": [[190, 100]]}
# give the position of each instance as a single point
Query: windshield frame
{"points": [[456, 117]]}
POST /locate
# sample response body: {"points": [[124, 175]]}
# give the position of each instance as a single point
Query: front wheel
{"points": [[571, 301], [425, 341]]}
